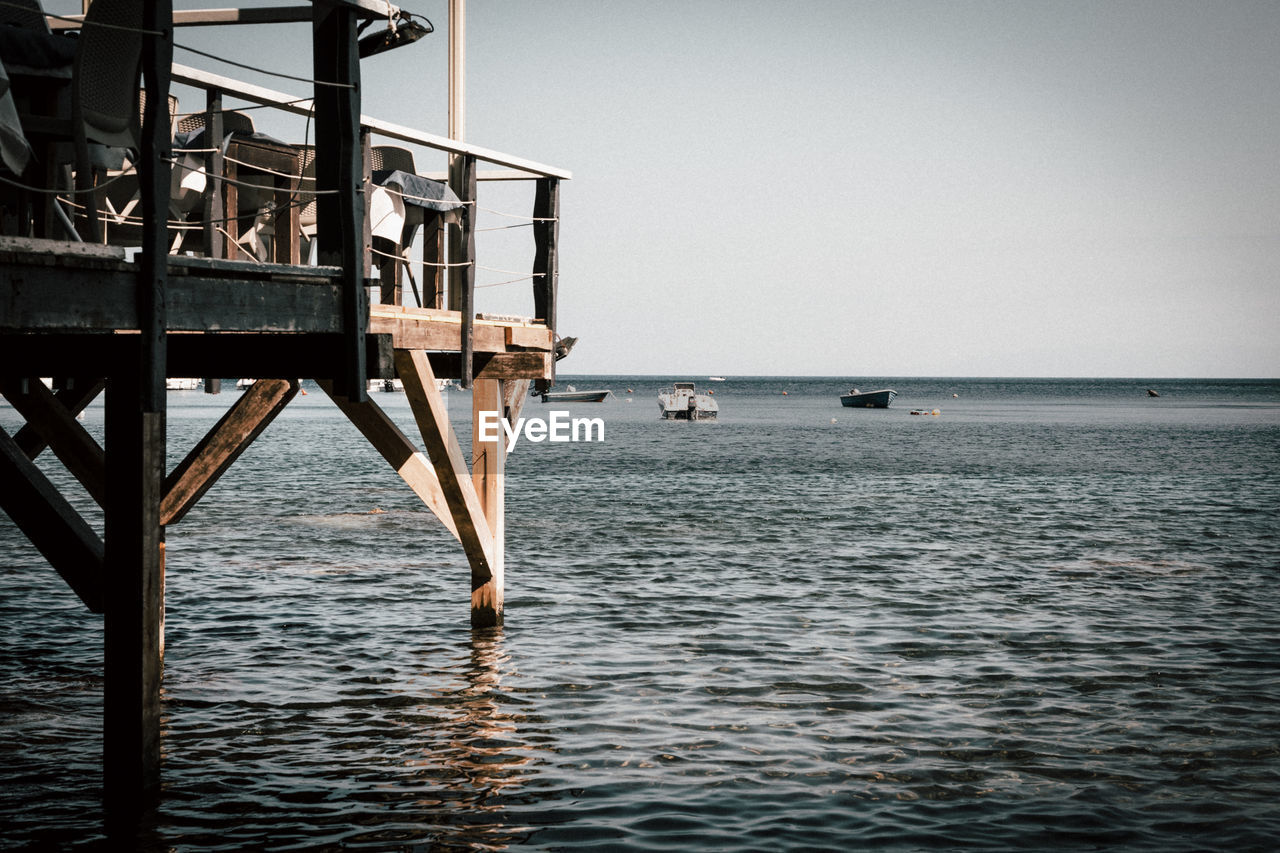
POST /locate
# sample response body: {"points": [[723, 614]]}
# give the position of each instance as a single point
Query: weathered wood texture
{"points": [[405, 458], [74, 396], [340, 201], [462, 261], [446, 458], [488, 462], [51, 523], [134, 601], [248, 416], [154, 172], [60, 431], [546, 258]]}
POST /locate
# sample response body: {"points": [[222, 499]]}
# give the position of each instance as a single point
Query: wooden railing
{"points": [[465, 158]]}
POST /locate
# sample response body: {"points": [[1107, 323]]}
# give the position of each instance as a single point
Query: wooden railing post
{"points": [[340, 166], [214, 208], [462, 258], [546, 262]]}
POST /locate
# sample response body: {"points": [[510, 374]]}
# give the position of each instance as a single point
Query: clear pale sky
{"points": [[870, 188]]}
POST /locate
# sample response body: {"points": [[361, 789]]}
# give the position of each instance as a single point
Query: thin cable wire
{"points": [[508, 281], [73, 191], [518, 216], [511, 272], [262, 70], [506, 227]]}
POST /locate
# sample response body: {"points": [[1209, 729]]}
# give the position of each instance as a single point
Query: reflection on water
{"points": [[474, 756]]}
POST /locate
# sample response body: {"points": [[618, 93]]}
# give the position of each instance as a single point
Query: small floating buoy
{"points": [[1151, 393], [377, 510], [955, 395], [302, 391], [833, 420], [784, 393], [936, 412]]}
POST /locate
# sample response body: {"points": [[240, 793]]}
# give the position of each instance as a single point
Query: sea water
{"points": [[1048, 614]]}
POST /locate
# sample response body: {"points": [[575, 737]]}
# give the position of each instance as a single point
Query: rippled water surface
{"points": [[1047, 615]]}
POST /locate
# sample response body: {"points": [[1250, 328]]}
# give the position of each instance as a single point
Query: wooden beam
{"points": [[248, 416], [51, 523], [443, 331], [78, 394], [70, 441], [446, 458], [495, 365], [515, 392], [488, 461], [340, 201], [134, 602], [409, 462]]}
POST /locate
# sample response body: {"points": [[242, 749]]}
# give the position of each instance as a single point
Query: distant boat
{"points": [[387, 385], [573, 395], [1151, 392], [856, 399], [244, 383], [182, 384], [684, 403], [716, 378]]}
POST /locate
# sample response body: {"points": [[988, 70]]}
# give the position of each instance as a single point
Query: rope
{"points": [[518, 216], [235, 243], [227, 180], [512, 272], [48, 191], [508, 281]]}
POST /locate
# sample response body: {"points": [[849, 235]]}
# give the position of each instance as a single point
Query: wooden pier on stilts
{"points": [[96, 318]]}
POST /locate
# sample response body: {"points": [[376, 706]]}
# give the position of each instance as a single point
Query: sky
{"points": [[862, 189]]}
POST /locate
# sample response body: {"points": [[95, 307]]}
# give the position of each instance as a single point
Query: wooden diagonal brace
{"points": [[59, 429], [407, 460], [446, 457], [209, 460], [52, 524]]}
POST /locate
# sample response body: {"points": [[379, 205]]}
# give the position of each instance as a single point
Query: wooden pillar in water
{"points": [[488, 462], [133, 594]]}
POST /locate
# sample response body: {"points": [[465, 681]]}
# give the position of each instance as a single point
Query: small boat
{"points": [[716, 378], [573, 395], [182, 384], [683, 403], [244, 383], [856, 399], [385, 385]]}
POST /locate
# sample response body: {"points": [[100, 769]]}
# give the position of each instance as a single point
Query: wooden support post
{"points": [[134, 603], [244, 421], [488, 461], [446, 458], [154, 174], [214, 209], [53, 526], [407, 460], [546, 259], [339, 166], [71, 443], [462, 259], [135, 436]]}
